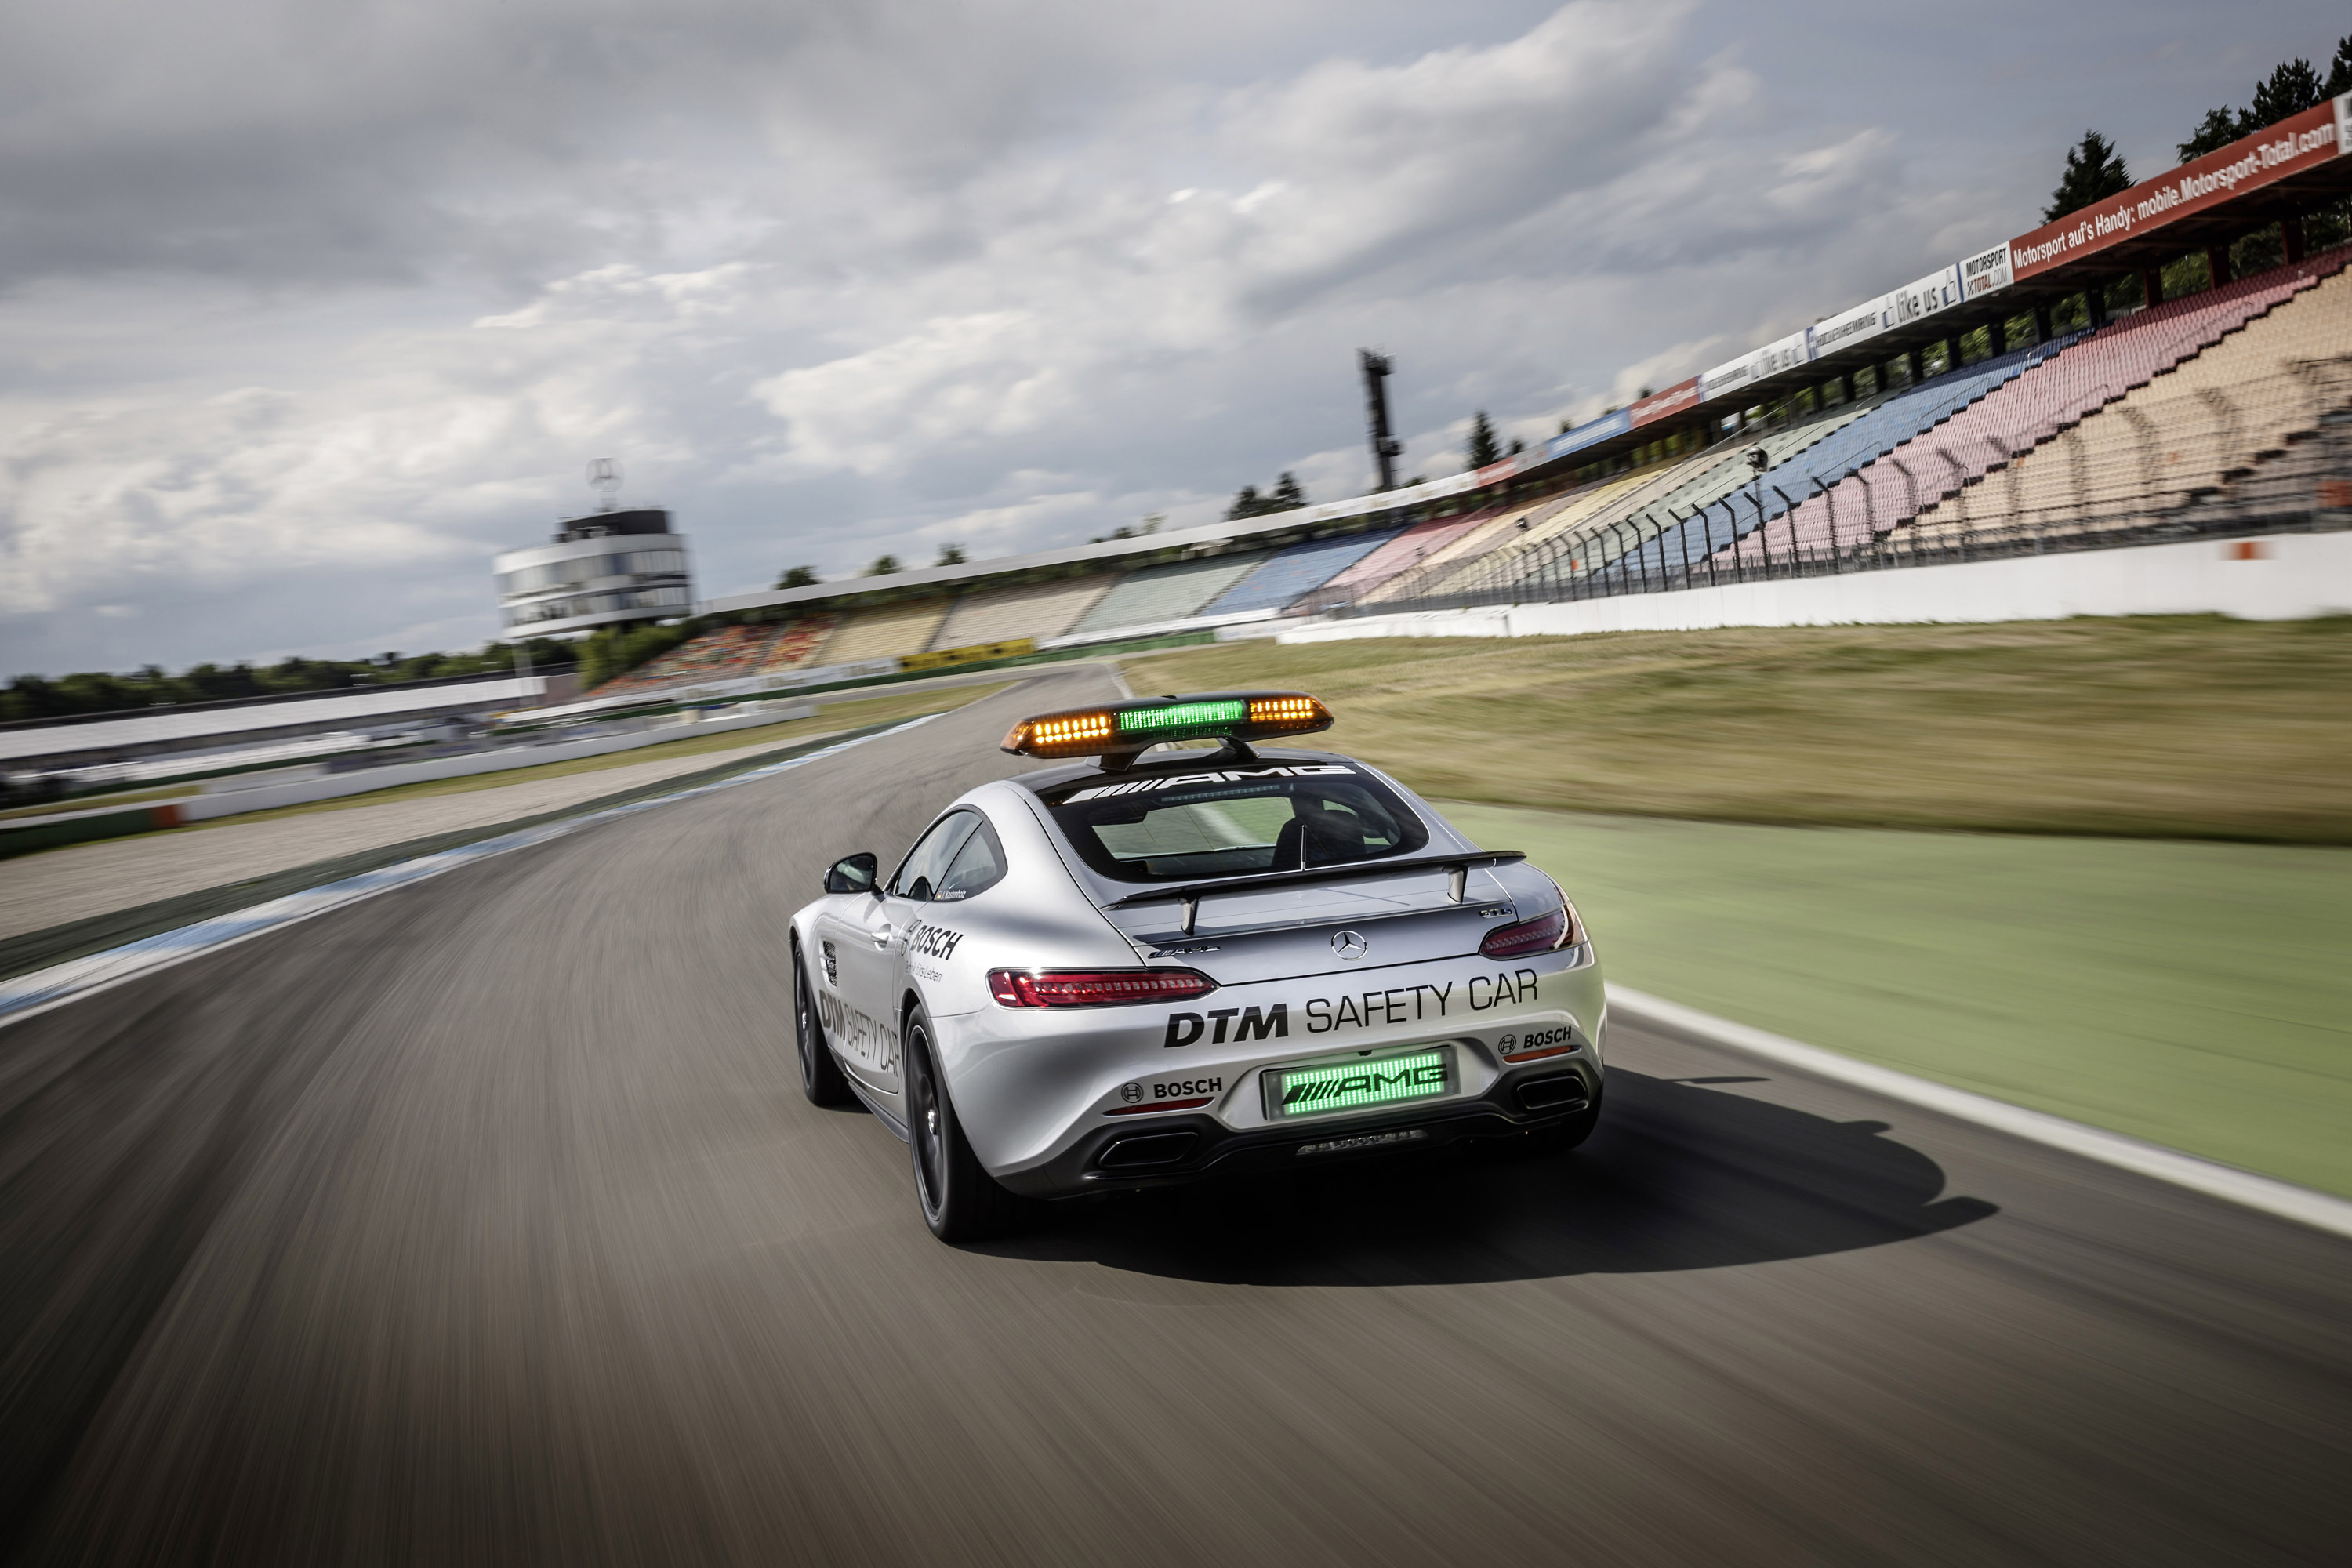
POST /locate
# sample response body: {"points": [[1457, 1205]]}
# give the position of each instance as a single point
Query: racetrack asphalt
{"points": [[484, 1222]]}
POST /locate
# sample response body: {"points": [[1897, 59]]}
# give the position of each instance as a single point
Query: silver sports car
{"points": [[1121, 972]]}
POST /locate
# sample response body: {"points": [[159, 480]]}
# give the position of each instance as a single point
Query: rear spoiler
{"points": [[1190, 894]]}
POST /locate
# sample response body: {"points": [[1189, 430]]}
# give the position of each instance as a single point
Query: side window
{"points": [[919, 875], [978, 865]]}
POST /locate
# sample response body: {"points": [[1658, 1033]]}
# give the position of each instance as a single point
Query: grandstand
{"points": [[1290, 575], [2026, 411], [1036, 611], [2218, 409], [729, 653], [1799, 468], [885, 631], [2200, 424], [796, 643], [1163, 595]]}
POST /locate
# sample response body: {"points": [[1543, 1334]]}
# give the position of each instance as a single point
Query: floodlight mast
{"points": [[1385, 448]]}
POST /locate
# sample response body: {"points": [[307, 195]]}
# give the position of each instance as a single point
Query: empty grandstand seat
{"points": [[885, 631], [726, 653], [1154, 596], [1998, 430], [1855, 443], [1407, 549], [1289, 575], [2181, 440], [1034, 610]]}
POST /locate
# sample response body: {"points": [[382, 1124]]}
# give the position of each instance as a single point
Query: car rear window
{"points": [[1236, 821]]}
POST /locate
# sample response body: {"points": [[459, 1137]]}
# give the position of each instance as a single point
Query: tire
{"points": [[959, 1200], [820, 1076]]}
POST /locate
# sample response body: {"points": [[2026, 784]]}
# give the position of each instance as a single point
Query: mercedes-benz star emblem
{"points": [[1349, 945]]}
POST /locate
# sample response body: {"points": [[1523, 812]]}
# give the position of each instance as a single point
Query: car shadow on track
{"points": [[1677, 1176]]}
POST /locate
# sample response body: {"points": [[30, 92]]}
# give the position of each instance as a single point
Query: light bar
{"points": [[1133, 726]]}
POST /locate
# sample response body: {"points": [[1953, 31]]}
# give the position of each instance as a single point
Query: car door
{"points": [[871, 950]]}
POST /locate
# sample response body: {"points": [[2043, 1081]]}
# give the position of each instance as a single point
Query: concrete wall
{"points": [[2278, 577]]}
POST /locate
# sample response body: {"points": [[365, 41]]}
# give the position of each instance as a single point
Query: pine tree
{"points": [[883, 566], [1288, 495], [949, 555], [2291, 89], [2339, 70], [2215, 130], [1482, 448], [797, 577], [2095, 171]]}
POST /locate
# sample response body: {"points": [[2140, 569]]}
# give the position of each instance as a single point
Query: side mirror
{"points": [[853, 874]]}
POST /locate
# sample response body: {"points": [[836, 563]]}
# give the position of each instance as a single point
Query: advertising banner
{"points": [[1657, 406], [1748, 369], [1848, 327], [1586, 433], [1986, 272], [1726, 378], [2297, 143], [1917, 301]]}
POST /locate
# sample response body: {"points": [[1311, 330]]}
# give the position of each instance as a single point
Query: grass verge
{"points": [[2192, 995], [2190, 727]]}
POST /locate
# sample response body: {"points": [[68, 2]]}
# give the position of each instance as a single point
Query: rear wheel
{"points": [[960, 1201], [821, 1077]]}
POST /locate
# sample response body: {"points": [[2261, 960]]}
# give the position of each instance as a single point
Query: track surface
{"points": [[484, 1223]]}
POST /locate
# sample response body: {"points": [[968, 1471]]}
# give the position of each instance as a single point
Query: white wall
{"points": [[2277, 577]]}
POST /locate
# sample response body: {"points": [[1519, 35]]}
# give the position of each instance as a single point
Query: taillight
{"points": [[1095, 987], [1544, 933]]}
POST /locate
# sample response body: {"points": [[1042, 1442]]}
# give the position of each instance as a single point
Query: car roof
{"points": [[1176, 763]]}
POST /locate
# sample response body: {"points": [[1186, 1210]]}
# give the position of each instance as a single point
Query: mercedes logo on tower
{"points": [[1349, 945]]}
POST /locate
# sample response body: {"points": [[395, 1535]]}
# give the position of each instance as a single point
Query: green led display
{"points": [[1181, 716], [1308, 1092]]}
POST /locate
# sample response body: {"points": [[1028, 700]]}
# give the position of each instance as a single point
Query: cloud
{"points": [[316, 306]]}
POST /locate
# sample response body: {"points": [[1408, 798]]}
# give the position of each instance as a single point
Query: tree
{"points": [[1288, 495], [2095, 171], [2291, 88], [2215, 132], [1247, 502], [1482, 448], [949, 555], [797, 577], [883, 566]]}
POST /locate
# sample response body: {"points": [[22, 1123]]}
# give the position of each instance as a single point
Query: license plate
{"points": [[1358, 1085]]}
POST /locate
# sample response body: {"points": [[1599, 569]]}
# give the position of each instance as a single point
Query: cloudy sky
{"points": [[307, 308]]}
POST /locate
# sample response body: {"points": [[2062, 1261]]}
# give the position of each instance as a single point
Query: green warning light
{"points": [[1349, 1086], [1180, 716]]}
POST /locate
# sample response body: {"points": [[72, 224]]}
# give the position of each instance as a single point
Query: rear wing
{"points": [[1192, 893]]}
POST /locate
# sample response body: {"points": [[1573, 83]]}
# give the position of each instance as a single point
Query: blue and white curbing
{"points": [[76, 978]]}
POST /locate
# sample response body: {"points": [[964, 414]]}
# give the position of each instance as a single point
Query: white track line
{"points": [[2322, 1210], [43, 989]]}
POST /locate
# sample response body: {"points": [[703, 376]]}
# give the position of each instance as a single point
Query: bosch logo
{"points": [[1349, 945], [1130, 1092]]}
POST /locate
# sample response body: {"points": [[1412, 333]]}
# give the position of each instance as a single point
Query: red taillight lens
{"points": [[1542, 934], [1095, 987]]}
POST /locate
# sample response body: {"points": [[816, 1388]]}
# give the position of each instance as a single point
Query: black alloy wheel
{"points": [[821, 1077], [960, 1201]]}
